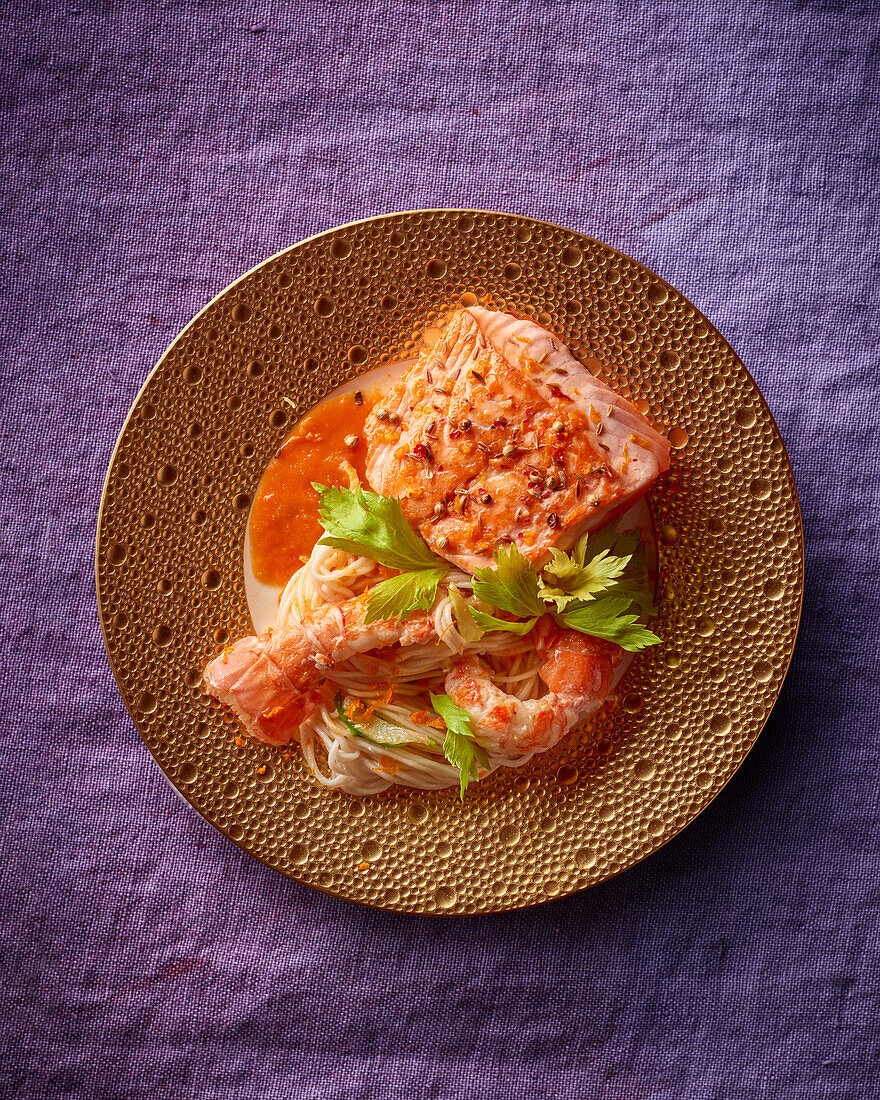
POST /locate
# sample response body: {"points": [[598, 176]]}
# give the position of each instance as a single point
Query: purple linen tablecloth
{"points": [[154, 152]]}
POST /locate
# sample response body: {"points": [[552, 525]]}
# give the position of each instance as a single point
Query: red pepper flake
{"points": [[455, 434], [422, 451]]}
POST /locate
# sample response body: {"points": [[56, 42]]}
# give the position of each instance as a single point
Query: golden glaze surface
{"points": [[171, 583]]}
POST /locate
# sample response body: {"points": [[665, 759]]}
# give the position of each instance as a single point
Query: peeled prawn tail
{"points": [[340, 631], [578, 670], [510, 729], [575, 665]]}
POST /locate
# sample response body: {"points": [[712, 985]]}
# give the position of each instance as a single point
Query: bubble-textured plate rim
{"points": [[445, 900]]}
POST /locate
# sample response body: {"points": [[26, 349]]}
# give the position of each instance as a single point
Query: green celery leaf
{"points": [[637, 592], [488, 623], [606, 563], [635, 582], [396, 597], [460, 748], [464, 618], [597, 572], [511, 586], [366, 523], [619, 545], [556, 596], [579, 582], [606, 618], [561, 566]]}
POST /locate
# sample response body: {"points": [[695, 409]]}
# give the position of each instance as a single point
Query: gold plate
{"points": [[171, 583]]}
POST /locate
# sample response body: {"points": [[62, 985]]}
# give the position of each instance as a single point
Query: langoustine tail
{"points": [[270, 703]]}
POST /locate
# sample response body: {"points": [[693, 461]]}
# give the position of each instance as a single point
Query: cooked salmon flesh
{"points": [[498, 434]]}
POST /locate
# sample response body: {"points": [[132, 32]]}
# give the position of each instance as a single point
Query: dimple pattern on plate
{"points": [[171, 585]]}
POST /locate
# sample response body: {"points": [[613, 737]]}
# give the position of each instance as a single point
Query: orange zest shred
{"points": [[271, 712], [382, 701], [426, 718], [261, 770], [353, 709], [389, 765], [240, 742]]}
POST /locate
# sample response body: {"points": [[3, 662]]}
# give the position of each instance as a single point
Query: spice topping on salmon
{"points": [[499, 434]]}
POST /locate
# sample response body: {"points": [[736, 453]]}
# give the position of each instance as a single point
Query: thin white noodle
{"points": [[341, 760]]}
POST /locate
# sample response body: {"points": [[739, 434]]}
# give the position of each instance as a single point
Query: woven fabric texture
{"points": [[153, 152]]}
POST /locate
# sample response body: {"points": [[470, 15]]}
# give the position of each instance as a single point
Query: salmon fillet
{"points": [[498, 434]]}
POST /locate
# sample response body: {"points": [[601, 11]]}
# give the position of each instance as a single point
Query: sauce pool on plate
{"points": [[284, 524]]}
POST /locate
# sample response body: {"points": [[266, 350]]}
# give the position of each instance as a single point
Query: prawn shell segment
{"points": [[498, 434]]}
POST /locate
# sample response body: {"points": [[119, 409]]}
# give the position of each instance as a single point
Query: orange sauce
{"points": [[284, 525]]}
